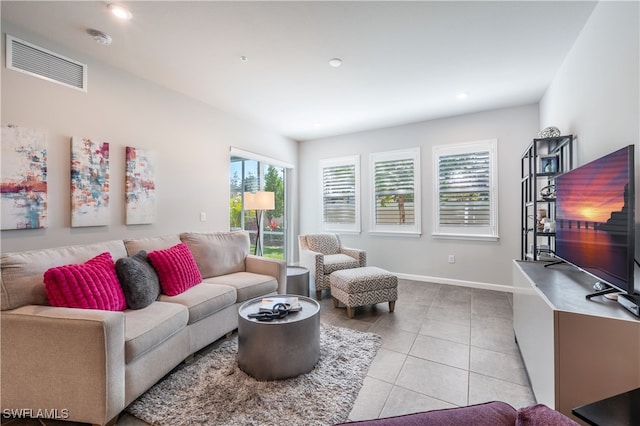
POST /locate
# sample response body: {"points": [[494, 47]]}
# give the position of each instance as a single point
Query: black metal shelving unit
{"points": [[544, 159]]}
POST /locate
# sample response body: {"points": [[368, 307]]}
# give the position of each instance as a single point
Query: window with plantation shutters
{"points": [[465, 190], [340, 179], [396, 191], [464, 186]]}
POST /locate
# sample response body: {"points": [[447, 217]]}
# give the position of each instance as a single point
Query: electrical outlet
{"points": [[203, 217], [452, 258]]}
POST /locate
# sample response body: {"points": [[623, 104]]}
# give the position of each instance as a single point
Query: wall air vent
{"points": [[33, 60]]}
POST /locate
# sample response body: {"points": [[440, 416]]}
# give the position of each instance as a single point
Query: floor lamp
{"points": [[259, 201]]}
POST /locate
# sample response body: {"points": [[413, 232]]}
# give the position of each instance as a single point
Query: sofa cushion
{"points": [[218, 253], [540, 414], [336, 262], [494, 413], [23, 272], [176, 268], [152, 243], [203, 300], [149, 327], [138, 280], [247, 284], [91, 285]]}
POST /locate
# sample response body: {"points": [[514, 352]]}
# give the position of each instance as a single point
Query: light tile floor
{"points": [[444, 346]]}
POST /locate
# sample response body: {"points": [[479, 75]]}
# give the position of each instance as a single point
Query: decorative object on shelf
{"points": [[548, 192], [24, 178], [548, 164], [542, 215], [549, 225], [259, 201], [89, 182], [140, 187], [549, 132]]}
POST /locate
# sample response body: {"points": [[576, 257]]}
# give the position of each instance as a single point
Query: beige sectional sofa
{"points": [[88, 365]]}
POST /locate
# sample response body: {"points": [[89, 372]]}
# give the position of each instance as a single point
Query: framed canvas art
{"points": [[140, 187], [548, 164], [89, 182], [24, 178]]}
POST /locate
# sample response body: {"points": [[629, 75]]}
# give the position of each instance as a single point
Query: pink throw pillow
{"points": [[176, 268], [91, 285]]}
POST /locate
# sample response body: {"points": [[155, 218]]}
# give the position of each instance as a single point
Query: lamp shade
{"points": [[261, 200]]}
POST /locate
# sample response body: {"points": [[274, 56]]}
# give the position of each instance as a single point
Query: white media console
{"points": [[576, 351]]}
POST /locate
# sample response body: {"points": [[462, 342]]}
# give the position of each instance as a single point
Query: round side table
{"points": [[298, 280], [281, 348]]}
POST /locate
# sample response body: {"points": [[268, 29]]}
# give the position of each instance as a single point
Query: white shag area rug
{"points": [[214, 391]]}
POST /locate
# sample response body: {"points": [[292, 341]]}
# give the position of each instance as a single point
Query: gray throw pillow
{"points": [[138, 280]]}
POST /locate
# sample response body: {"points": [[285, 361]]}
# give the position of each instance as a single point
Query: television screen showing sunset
{"points": [[593, 191], [594, 218]]}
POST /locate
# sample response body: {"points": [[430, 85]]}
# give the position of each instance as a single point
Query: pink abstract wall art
{"points": [[89, 182]]}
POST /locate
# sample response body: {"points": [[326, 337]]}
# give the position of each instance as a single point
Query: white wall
{"points": [[191, 142], [478, 262], [595, 94]]}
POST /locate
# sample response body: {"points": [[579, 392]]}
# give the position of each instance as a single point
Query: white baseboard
{"points": [[462, 283]]}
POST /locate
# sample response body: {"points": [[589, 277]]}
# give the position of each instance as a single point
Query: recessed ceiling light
{"points": [[100, 37], [244, 58], [335, 62], [462, 95], [120, 11]]}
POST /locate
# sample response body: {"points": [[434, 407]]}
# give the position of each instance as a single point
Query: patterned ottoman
{"points": [[363, 286]]}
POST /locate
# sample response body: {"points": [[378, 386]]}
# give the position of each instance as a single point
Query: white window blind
{"points": [[340, 194], [465, 187], [396, 200]]}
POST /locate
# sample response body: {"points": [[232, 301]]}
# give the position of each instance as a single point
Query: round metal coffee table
{"points": [[281, 348]]}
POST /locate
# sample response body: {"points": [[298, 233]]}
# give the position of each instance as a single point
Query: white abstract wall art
{"points": [[140, 187], [24, 178]]}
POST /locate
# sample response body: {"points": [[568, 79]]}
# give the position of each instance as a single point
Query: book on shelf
{"points": [[292, 304]]}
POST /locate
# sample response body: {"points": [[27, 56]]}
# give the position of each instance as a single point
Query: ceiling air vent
{"points": [[38, 62]]}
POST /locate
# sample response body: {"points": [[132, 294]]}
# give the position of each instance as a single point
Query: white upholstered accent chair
{"points": [[323, 254]]}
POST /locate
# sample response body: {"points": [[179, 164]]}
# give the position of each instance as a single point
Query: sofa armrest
{"points": [[267, 266], [69, 362], [359, 255]]}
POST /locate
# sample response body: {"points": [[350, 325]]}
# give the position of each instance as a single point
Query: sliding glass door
{"points": [[247, 175]]}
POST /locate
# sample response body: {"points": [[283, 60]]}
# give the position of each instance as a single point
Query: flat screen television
{"points": [[595, 220]]}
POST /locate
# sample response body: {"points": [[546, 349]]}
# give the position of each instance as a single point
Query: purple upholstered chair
{"points": [[493, 413]]}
